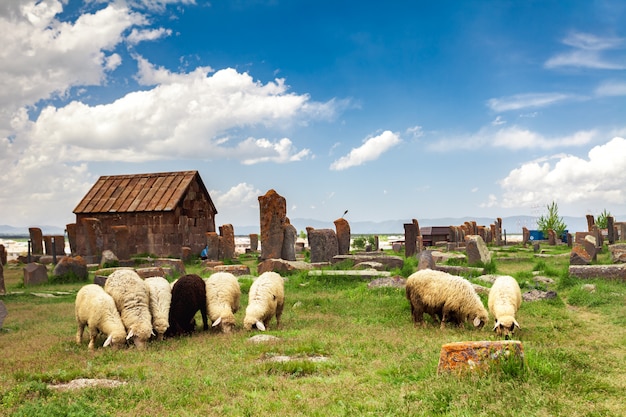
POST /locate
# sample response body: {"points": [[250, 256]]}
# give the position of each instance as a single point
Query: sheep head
{"points": [[505, 326]]}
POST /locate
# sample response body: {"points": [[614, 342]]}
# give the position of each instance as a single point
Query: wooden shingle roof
{"points": [[139, 192]]}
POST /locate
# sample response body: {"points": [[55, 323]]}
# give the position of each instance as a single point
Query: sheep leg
{"points": [[444, 317], [205, 320], [279, 312], [93, 333], [79, 332]]}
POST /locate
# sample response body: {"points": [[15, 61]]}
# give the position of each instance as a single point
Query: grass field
{"points": [[353, 352]]}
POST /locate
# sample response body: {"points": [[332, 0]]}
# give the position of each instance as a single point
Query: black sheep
{"points": [[188, 296]]}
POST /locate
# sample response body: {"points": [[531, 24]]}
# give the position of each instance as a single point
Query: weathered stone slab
{"points": [[35, 273], [36, 238], [213, 244], [461, 357], [370, 265], [615, 271], [618, 253], [71, 266], [536, 295], [176, 264], [254, 242], [237, 270], [393, 282], [282, 266], [290, 234], [590, 245], [152, 271], [343, 236], [389, 261], [477, 251], [227, 242], [426, 260], [273, 211], [579, 256], [323, 244], [461, 270], [363, 273]]}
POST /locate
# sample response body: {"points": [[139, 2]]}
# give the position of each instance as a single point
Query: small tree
{"points": [[551, 221], [602, 220]]}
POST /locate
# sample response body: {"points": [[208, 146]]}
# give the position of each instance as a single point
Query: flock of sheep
{"points": [[130, 308]]}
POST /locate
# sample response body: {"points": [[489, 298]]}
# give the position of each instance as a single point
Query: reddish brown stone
{"points": [[35, 273], [343, 235], [227, 241], [273, 211], [462, 357], [36, 238]]}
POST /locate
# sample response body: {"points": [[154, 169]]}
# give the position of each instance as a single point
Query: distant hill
{"points": [[13, 231]]}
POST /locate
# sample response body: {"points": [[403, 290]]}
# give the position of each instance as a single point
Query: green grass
{"points": [[373, 360]]}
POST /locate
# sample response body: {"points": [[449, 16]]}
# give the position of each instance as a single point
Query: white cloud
{"points": [[238, 195], [136, 36], [600, 177], [371, 150], [611, 88], [415, 132], [498, 121], [588, 52], [524, 101], [512, 137]]}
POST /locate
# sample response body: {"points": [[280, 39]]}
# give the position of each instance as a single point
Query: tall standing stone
{"points": [[227, 241], [71, 236], [323, 244], [3, 255], [273, 211], [343, 235], [551, 237], [59, 244], [212, 240], [254, 242], [410, 240], [498, 232], [610, 229], [525, 235], [590, 222], [288, 251], [36, 238]]}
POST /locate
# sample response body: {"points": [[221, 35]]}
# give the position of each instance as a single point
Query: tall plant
{"points": [[551, 221], [602, 219]]}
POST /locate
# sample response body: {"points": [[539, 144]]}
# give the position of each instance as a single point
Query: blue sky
{"points": [[392, 110]]}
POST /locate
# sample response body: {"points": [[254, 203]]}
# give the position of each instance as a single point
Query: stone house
{"points": [[158, 213]]}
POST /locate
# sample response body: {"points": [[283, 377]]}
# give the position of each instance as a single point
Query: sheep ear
{"points": [[477, 321], [108, 341], [217, 322], [260, 325], [517, 324], [495, 326], [130, 334]]}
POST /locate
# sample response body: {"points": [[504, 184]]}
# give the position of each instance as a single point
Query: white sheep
{"points": [[132, 300], [505, 298], [160, 301], [439, 293], [222, 298], [96, 309], [265, 300]]}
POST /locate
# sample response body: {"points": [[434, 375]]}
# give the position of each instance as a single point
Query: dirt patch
{"points": [[87, 383]]}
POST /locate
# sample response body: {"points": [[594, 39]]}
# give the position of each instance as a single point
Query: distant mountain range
{"points": [[512, 225]]}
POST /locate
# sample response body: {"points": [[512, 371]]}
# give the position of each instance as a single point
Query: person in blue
{"points": [[204, 253]]}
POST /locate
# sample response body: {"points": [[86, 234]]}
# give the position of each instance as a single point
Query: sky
{"points": [[390, 110]]}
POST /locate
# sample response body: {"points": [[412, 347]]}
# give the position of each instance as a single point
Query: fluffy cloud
{"points": [[371, 150], [600, 177], [524, 101]]}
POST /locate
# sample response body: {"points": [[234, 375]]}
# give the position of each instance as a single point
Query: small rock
{"points": [[262, 338], [589, 288], [535, 295]]}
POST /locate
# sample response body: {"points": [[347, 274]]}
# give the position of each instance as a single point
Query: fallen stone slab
{"points": [[282, 266], [461, 357], [612, 272], [363, 273], [536, 295], [236, 270], [461, 270], [387, 260], [392, 282]]}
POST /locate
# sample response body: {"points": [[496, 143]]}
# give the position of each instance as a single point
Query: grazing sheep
{"points": [[188, 296], [132, 300], [96, 309], [505, 298], [266, 299], [222, 297], [160, 301], [439, 293]]}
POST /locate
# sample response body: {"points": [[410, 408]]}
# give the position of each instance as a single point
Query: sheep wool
{"points": [[222, 297], [132, 300], [96, 309], [505, 298], [451, 297], [265, 300], [188, 296], [160, 301]]}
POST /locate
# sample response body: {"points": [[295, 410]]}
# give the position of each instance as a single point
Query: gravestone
{"points": [[323, 244], [410, 240], [525, 235], [71, 266], [590, 222], [213, 240], [579, 256], [35, 273], [590, 246], [70, 228], [227, 241], [551, 237], [36, 238], [288, 251], [610, 229], [273, 211], [343, 235], [476, 250], [426, 260], [254, 242], [618, 253]]}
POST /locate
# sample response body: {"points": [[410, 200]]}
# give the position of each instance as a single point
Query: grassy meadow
{"points": [[353, 352]]}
